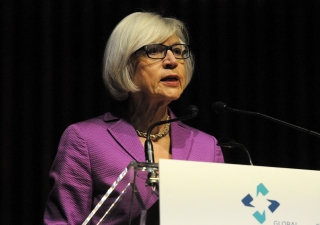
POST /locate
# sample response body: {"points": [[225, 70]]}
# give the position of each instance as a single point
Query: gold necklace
{"points": [[158, 135]]}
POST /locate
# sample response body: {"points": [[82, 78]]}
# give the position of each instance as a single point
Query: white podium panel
{"points": [[226, 194]]}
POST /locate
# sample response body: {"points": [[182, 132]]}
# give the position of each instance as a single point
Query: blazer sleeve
{"points": [[70, 199]]}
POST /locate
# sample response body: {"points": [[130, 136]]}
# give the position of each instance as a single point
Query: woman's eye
{"points": [[177, 51], [154, 50]]}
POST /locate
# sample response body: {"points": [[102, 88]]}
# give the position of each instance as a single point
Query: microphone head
{"points": [[219, 107], [193, 109]]}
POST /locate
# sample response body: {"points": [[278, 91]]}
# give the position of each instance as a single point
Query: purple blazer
{"points": [[93, 153]]}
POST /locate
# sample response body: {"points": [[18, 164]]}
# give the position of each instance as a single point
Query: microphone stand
{"points": [[148, 146], [232, 144]]}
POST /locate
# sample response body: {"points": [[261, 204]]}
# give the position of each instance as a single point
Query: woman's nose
{"points": [[170, 60]]}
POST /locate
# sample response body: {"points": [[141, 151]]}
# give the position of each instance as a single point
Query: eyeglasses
{"points": [[159, 51]]}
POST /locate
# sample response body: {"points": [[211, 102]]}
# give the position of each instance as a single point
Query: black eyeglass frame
{"points": [[145, 48]]}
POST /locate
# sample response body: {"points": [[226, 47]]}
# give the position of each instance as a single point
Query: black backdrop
{"points": [[260, 55]]}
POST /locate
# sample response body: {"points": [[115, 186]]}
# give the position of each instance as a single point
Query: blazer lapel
{"points": [[122, 130], [181, 138]]}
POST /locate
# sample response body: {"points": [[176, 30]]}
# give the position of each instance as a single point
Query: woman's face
{"points": [[161, 79]]}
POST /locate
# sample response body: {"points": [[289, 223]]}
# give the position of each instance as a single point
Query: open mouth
{"points": [[170, 79]]}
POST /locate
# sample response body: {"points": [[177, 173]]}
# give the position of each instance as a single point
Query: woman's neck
{"points": [[143, 114]]}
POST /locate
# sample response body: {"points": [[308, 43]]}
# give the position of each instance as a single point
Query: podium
{"points": [[224, 194], [213, 193]]}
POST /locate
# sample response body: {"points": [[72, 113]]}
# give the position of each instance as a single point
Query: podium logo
{"points": [[260, 217]]}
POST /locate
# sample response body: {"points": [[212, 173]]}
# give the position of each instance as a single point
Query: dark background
{"points": [[260, 56]]}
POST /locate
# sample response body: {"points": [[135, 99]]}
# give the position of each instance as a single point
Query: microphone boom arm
{"points": [[275, 120]]}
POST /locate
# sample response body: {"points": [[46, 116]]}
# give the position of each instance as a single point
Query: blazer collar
{"points": [[181, 138]]}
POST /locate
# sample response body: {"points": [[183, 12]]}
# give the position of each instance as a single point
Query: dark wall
{"points": [[258, 56]]}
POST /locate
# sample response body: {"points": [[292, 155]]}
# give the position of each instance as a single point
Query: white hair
{"points": [[133, 32]]}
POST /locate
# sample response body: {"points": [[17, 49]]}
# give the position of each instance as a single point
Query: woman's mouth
{"points": [[171, 80]]}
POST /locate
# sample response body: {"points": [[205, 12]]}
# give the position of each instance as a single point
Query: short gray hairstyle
{"points": [[131, 33]]}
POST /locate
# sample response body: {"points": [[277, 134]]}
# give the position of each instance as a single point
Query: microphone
{"points": [[220, 107], [148, 146], [228, 143]]}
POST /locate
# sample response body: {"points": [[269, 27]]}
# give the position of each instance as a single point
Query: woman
{"points": [[147, 65]]}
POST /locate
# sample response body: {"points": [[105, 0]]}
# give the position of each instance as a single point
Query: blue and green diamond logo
{"points": [[263, 191]]}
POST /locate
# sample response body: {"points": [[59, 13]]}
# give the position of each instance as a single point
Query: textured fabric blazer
{"points": [[92, 154]]}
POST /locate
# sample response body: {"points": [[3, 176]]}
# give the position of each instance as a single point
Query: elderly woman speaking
{"points": [[147, 65]]}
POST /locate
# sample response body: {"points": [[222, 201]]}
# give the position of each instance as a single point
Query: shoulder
{"points": [[94, 124], [196, 133], [94, 130], [105, 119], [179, 127]]}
